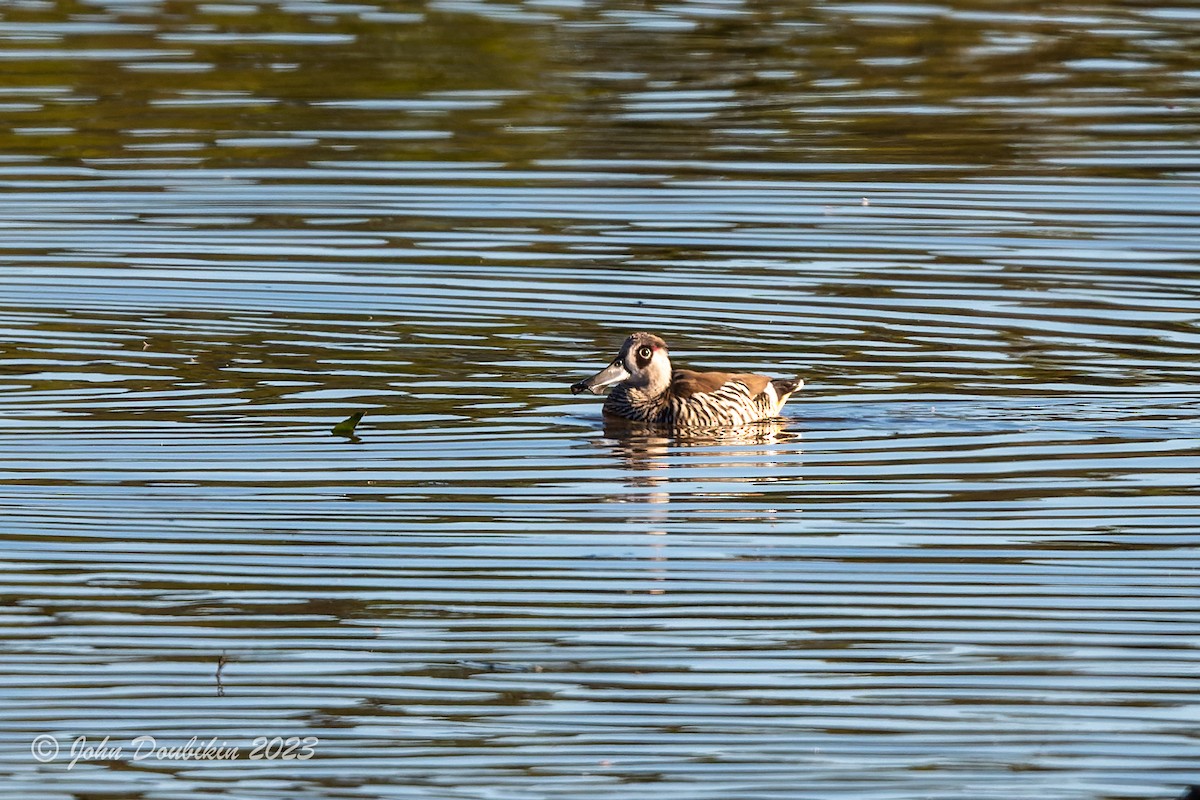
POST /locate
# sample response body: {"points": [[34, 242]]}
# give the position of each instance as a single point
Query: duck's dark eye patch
{"points": [[644, 354]]}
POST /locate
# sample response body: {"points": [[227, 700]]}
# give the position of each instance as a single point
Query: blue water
{"points": [[964, 564]]}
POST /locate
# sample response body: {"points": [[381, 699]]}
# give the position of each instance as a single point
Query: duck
{"points": [[646, 389]]}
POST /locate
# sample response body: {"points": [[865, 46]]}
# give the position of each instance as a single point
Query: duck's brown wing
{"points": [[685, 382]]}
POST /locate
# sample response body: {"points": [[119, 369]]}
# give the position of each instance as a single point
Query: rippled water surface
{"points": [[964, 565]]}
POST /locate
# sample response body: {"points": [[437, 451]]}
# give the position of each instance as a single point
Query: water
{"points": [[964, 565]]}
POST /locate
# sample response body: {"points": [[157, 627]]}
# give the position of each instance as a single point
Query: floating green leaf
{"points": [[346, 427]]}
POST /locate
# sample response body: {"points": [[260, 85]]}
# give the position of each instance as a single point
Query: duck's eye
{"points": [[645, 352]]}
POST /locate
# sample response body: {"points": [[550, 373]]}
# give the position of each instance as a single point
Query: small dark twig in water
{"points": [[220, 666]]}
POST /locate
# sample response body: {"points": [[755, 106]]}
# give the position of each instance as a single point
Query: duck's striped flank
{"points": [[729, 405]]}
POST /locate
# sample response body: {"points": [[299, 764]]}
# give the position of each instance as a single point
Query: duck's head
{"points": [[642, 364]]}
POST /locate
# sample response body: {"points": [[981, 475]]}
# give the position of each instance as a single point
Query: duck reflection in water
{"points": [[718, 476], [747, 455], [646, 449]]}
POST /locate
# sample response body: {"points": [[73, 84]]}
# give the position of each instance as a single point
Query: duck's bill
{"points": [[613, 373]]}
